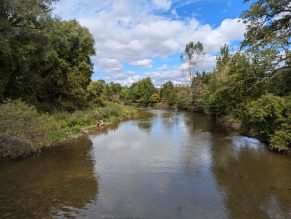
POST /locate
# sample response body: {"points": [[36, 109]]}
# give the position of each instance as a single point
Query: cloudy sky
{"points": [[139, 38]]}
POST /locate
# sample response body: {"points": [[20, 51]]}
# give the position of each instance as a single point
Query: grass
{"points": [[23, 130]]}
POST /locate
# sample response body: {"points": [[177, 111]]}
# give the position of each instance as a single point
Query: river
{"points": [[168, 165]]}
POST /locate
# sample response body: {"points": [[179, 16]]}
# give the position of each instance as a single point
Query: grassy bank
{"points": [[23, 130]]}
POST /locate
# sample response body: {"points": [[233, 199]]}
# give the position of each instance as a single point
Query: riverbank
{"points": [[25, 131]]}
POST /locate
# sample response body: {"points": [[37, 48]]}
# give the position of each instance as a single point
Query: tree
{"points": [[23, 46], [155, 98], [96, 91], [168, 94], [142, 91], [268, 118], [192, 57], [199, 91], [113, 91], [43, 60], [268, 33], [69, 67]]}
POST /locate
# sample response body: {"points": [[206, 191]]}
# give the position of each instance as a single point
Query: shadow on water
{"points": [[55, 184]]}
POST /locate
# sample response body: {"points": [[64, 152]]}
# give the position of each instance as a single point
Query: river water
{"points": [[169, 165]]}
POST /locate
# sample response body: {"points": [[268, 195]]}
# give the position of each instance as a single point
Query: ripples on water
{"points": [[170, 165]]}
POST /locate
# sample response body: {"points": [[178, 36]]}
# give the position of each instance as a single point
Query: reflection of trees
{"points": [[195, 154], [145, 125], [256, 184], [196, 139], [60, 178], [205, 123]]}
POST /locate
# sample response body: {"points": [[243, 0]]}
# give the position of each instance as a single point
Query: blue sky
{"points": [[140, 38]]}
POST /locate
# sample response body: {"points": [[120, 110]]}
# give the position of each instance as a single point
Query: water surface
{"points": [[170, 165]]}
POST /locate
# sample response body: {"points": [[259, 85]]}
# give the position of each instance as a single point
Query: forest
{"points": [[47, 94]]}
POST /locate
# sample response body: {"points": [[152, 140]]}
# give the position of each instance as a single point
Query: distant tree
{"points": [[191, 58], [168, 93], [155, 98], [142, 91], [96, 91]]}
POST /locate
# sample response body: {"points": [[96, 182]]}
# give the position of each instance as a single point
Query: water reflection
{"points": [[145, 125], [170, 165], [56, 184], [255, 183]]}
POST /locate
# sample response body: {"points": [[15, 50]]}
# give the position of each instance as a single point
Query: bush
{"points": [[25, 129], [267, 118], [281, 140]]}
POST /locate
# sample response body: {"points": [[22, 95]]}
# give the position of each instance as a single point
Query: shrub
{"points": [[281, 140], [267, 118], [25, 129]]}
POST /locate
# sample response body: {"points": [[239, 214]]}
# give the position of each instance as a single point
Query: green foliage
{"points": [[267, 118], [199, 91], [234, 83], [141, 91], [22, 122], [281, 140], [96, 91], [184, 101], [268, 32], [112, 92], [70, 68], [24, 130], [155, 98], [169, 94], [43, 60]]}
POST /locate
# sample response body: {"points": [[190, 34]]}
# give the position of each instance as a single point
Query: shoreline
{"points": [[42, 131]]}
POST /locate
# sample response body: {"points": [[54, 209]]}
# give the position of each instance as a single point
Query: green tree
{"points": [[268, 33], [96, 91], [233, 83], [155, 98], [23, 46], [199, 91], [168, 93], [268, 118], [69, 68], [142, 91]]}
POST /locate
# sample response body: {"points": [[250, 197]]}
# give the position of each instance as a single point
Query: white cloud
{"points": [[129, 32], [163, 67], [144, 63], [163, 4]]}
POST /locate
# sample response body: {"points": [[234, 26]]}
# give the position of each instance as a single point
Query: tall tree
{"points": [[192, 57], [269, 32], [22, 44]]}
